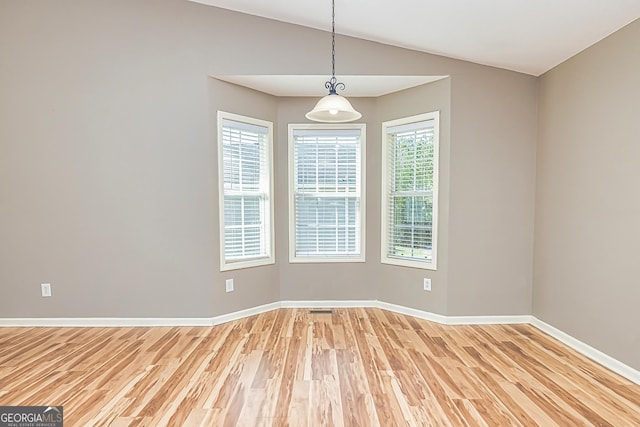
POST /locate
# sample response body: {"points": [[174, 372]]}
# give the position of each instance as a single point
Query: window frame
{"points": [[293, 257], [269, 236], [385, 218]]}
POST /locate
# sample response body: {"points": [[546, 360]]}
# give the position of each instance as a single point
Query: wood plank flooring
{"points": [[355, 367]]}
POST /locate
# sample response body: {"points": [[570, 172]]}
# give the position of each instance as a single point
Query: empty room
{"points": [[319, 213]]}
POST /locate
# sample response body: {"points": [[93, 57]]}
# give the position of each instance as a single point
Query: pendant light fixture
{"points": [[333, 108]]}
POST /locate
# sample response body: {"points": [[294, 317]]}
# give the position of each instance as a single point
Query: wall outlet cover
{"points": [[229, 285], [427, 284], [46, 289]]}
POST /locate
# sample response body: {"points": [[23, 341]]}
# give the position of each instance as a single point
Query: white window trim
{"points": [[384, 219], [363, 203], [269, 227]]}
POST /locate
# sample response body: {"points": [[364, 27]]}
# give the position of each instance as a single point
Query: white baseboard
{"points": [[489, 320], [236, 315], [588, 351], [438, 318], [585, 349], [104, 322], [455, 320], [329, 304]]}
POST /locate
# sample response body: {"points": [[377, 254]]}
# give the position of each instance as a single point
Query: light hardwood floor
{"points": [[355, 367]]}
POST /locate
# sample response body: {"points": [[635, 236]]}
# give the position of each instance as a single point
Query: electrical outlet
{"points": [[427, 284], [46, 289], [229, 285]]}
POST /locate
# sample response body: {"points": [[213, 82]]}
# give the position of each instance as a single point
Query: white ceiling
{"points": [[529, 36]]}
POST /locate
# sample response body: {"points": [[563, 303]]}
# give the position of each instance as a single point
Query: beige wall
{"points": [[369, 280], [493, 154], [108, 164], [252, 286], [401, 285], [587, 208], [105, 162], [323, 281]]}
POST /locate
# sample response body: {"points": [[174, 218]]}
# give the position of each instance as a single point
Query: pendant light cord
{"points": [[333, 83], [333, 38]]}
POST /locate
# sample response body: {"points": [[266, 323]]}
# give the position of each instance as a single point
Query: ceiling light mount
{"points": [[332, 84], [333, 108]]}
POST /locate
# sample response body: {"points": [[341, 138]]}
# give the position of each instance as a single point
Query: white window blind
{"points": [[245, 187], [410, 191], [327, 203]]}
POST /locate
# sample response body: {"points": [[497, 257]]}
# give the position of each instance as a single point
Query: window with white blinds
{"points": [[326, 193], [245, 191], [410, 191]]}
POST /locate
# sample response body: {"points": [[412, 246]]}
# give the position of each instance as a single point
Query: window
{"points": [[245, 181], [326, 193], [410, 191]]}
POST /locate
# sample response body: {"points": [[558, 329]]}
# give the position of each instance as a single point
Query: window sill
{"points": [[423, 265], [238, 265], [319, 260]]}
